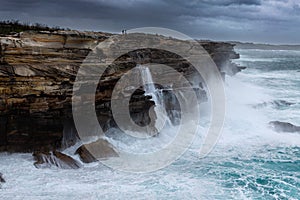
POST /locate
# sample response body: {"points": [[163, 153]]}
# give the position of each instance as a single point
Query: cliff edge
{"points": [[37, 73]]}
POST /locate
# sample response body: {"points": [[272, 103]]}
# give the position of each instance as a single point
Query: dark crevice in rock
{"points": [[37, 73]]}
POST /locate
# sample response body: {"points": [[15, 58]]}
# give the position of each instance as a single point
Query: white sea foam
{"points": [[249, 161]]}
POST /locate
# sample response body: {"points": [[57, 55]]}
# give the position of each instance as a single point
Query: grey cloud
{"points": [[213, 19], [233, 2]]}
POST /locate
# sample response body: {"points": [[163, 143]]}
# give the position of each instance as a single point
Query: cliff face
{"points": [[37, 72]]}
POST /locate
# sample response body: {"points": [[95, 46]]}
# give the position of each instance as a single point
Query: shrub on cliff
{"points": [[14, 26]]}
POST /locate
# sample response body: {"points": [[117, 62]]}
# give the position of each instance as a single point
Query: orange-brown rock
{"points": [[100, 149], [37, 73], [55, 159]]}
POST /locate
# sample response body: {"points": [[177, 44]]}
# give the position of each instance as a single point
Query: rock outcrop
{"points": [[284, 127], [222, 54], [55, 159], [278, 104], [37, 73], [97, 150]]}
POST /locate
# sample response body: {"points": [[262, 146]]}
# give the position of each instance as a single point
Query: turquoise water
{"points": [[278, 74], [250, 160]]}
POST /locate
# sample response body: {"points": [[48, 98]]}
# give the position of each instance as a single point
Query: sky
{"points": [[260, 21]]}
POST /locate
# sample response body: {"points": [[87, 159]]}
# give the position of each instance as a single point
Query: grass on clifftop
{"points": [[14, 26]]}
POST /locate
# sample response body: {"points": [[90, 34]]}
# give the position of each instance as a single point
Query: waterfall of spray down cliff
{"points": [[157, 97]]}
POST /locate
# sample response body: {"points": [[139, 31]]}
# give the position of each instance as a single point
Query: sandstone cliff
{"points": [[37, 72]]}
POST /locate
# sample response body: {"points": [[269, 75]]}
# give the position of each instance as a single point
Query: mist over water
{"points": [[250, 161], [157, 97]]}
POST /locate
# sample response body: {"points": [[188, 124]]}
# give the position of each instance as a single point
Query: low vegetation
{"points": [[14, 26]]}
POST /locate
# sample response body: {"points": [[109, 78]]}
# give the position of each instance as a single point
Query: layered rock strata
{"points": [[37, 73]]}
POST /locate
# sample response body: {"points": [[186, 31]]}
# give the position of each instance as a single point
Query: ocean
{"points": [[250, 161]]}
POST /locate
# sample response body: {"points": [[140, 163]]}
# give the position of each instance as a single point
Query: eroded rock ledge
{"points": [[37, 72]]}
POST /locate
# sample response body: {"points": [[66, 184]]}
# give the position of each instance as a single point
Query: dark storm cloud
{"points": [[233, 2], [256, 20]]}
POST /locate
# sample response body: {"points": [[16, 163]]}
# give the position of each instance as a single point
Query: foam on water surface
{"points": [[250, 160]]}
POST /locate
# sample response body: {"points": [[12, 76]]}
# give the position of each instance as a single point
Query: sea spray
{"points": [[157, 96]]}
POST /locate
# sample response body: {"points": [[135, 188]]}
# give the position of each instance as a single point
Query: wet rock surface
{"points": [[37, 73], [278, 104], [92, 152], [55, 159], [284, 127]]}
